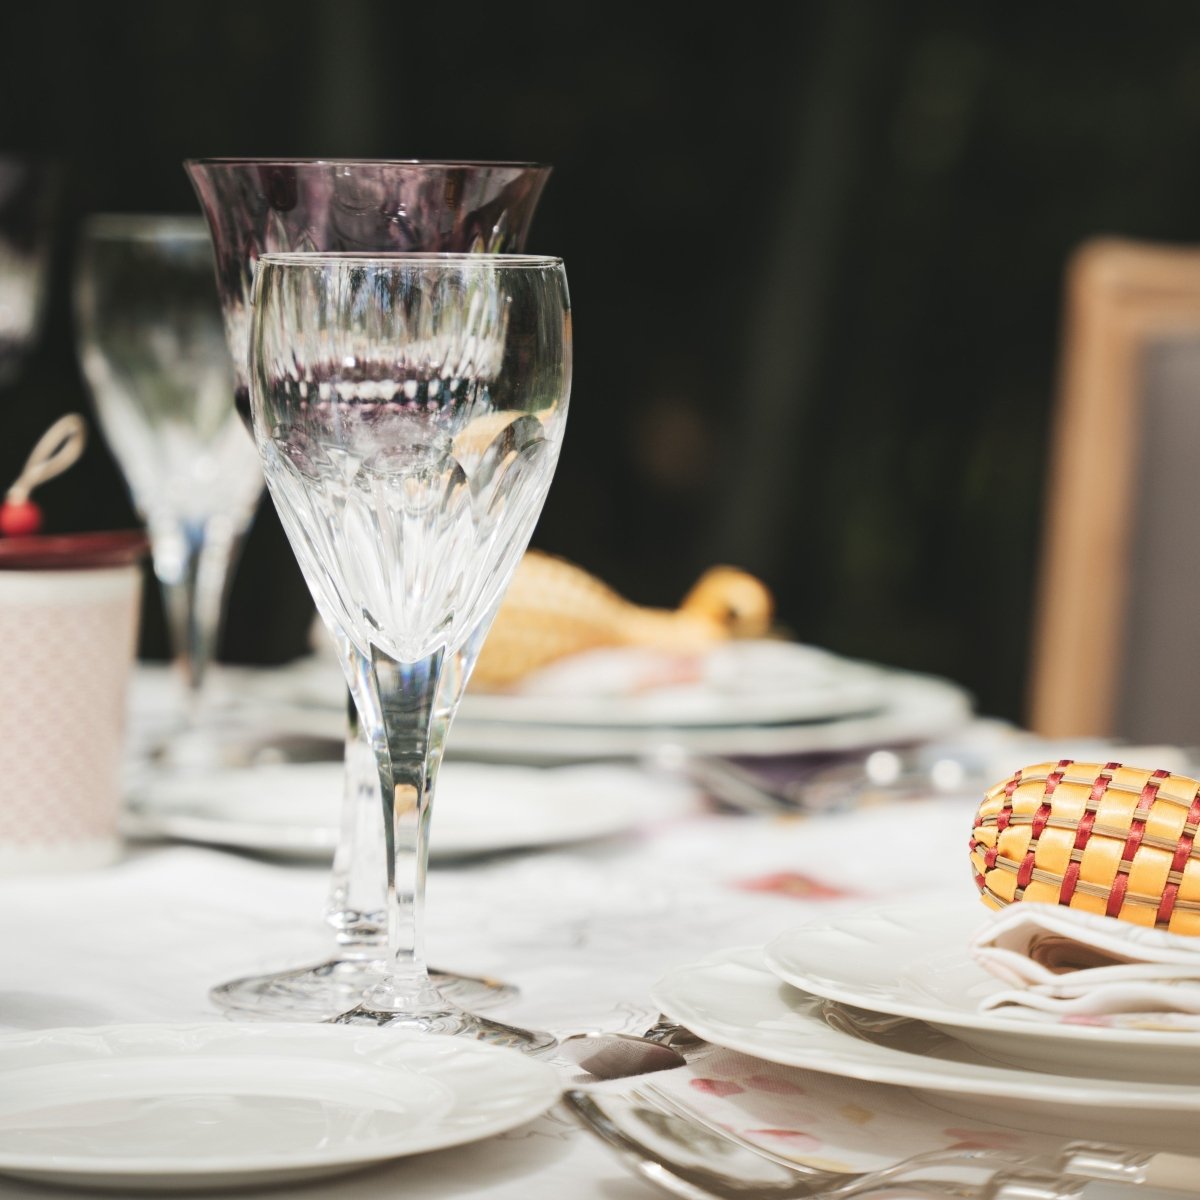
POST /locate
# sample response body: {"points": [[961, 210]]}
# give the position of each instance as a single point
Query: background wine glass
{"points": [[27, 194], [258, 205], [153, 350], [409, 412]]}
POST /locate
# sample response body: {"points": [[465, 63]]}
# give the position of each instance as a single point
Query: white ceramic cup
{"points": [[69, 609]]}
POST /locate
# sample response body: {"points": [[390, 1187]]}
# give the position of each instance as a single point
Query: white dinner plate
{"points": [[912, 961], [744, 682], [910, 707], [731, 999], [165, 1107], [292, 810], [749, 682], [857, 706]]}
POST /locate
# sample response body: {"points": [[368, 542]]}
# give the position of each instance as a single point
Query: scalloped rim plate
{"points": [[733, 1000], [911, 960], [164, 1107]]}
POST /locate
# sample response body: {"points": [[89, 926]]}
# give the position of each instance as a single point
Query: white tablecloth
{"points": [[584, 931]]}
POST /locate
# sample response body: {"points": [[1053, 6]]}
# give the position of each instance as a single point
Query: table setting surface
{"points": [[506, 882], [605, 929]]}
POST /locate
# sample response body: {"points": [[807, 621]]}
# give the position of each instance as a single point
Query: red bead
{"points": [[19, 518]]}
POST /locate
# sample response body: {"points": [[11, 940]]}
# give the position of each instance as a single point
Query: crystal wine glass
{"points": [[258, 205], [409, 410], [27, 192], [153, 350]]}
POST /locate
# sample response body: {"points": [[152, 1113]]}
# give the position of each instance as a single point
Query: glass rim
{"points": [[134, 226], [333, 258], [250, 161]]}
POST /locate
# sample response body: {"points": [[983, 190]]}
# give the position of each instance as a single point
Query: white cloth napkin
{"points": [[1074, 964]]}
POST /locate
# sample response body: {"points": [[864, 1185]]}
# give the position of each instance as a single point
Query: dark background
{"points": [[815, 253]]}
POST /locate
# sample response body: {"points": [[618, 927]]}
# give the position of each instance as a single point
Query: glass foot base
{"points": [[456, 1023], [324, 991]]}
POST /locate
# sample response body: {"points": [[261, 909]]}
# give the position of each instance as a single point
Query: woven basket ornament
{"points": [[1102, 837]]}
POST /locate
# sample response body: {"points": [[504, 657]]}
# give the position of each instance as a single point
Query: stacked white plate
{"points": [[891, 995], [755, 697], [549, 776], [744, 698]]}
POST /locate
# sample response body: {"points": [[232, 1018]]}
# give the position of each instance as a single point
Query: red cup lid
{"points": [[73, 551]]}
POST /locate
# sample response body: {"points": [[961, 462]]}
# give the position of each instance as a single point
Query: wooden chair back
{"points": [[1116, 639]]}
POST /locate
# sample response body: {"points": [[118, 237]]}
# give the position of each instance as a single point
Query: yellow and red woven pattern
{"points": [[1103, 837]]}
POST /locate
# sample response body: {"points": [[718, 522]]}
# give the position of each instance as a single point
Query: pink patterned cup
{"points": [[69, 609]]}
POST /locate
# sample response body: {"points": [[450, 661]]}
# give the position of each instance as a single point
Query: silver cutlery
{"points": [[690, 1160], [1099, 1161], [733, 786], [619, 1055], [678, 1149], [848, 782]]}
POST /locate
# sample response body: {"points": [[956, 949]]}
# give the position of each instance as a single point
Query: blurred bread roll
{"points": [[554, 609]]}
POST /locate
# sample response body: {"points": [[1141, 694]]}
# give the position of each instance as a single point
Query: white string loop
{"points": [[56, 450]]}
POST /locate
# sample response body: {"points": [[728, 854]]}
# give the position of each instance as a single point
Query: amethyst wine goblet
{"points": [[258, 206]]}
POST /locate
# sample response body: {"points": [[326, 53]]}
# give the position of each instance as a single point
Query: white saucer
{"points": [[733, 1000], [165, 1107], [912, 961], [292, 810]]}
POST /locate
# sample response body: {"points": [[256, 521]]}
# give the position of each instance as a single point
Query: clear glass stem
{"points": [[405, 710], [406, 728], [357, 905], [193, 563], [402, 713]]}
